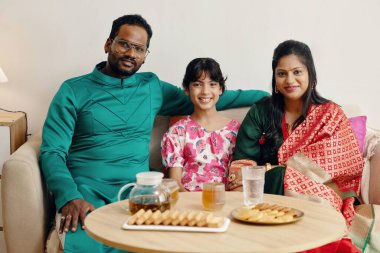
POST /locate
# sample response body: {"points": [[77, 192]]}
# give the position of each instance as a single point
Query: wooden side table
{"points": [[13, 130], [12, 133]]}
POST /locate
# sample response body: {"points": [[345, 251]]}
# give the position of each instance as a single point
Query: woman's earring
{"points": [[275, 89]]}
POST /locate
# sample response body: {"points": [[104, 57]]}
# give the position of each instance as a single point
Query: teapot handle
{"points": [[122, 189]]}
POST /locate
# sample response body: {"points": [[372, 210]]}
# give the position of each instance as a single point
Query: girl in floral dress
{"points": [[198, 148]]}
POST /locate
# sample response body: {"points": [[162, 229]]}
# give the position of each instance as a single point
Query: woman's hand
{"points": [[238, 189], [234, 179], [73, 211]]}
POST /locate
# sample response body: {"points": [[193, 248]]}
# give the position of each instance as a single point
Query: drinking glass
{"points": [[213, 196], [253, 184], [173, 188]]}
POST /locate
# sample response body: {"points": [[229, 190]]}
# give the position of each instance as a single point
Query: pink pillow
{"points": [[358, 124]]}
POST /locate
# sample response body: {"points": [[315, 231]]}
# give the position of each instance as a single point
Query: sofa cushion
{"points": [[160, 126], [358, 124]]}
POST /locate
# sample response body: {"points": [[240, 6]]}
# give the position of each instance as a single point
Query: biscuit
{"points": [[216, 222], [144, 217], [255, 217], [160, 218], [176, 218], [266, 213], [136, 216]]}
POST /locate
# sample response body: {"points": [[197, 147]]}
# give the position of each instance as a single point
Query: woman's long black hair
{"points": [[311, 96]]}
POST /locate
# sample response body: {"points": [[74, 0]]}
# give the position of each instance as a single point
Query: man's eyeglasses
{"points": [[123, 46]]}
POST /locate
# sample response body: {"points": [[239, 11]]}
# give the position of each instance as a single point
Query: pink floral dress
{"points": [[204, 156]]}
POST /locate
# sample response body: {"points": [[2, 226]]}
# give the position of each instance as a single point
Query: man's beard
{"points": [[121, 72]]}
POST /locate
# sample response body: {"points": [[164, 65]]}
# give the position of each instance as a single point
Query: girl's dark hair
{"points": [[311, 96], [198, 66]]}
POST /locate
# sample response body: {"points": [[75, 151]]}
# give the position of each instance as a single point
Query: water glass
{"points": [[253, 184], [213, 196]]}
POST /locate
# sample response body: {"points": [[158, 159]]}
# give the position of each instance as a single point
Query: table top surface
{"points": [[320, 225]]}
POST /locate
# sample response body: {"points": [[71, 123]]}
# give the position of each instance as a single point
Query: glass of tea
{"points": [[173, 188], [213, 196]]}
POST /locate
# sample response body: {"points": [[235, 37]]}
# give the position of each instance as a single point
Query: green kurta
{"points": [[97, 132]]}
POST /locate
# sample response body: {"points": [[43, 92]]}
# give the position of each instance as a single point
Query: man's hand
{"points": [[73, 211]]}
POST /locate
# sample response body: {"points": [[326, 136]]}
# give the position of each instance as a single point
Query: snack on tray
{"points": [[266, 213], [176, 218]]}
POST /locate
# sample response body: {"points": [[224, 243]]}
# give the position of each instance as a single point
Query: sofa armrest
{"points": [[370, 183], [26, 205], [374, 180]]}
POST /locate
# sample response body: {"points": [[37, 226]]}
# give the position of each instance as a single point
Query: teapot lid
{"points": [[149, 178]]}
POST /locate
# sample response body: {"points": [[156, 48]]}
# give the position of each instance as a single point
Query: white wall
{"points": [[44, 42]]}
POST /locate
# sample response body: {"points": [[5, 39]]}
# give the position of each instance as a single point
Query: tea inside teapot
{"points": [[146, 203]]}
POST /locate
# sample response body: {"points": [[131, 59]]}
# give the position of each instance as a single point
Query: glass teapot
{"points": [[147, 193]]}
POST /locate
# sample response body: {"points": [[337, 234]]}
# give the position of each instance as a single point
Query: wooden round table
{"points": [[320, 225]]}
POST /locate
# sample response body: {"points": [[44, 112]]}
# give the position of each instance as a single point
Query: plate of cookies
{"points": [[177, 220], [267, 214]]}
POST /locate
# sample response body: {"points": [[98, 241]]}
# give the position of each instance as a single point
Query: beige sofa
{"points": [[28, 208]]}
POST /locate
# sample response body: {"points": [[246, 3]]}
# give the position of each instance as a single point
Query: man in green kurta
{"points": [[97, 132]]}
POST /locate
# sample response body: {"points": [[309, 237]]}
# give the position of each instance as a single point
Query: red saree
{"points": [[327, 139]]}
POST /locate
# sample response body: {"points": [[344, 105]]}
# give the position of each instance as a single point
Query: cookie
{"points": [[266, 213], [176, 218]]}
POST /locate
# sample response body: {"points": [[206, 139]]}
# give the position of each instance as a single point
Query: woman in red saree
{"points": [[308, 136]]}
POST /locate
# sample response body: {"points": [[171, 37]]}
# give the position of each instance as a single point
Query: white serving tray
{"points": [[223, 228]]}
